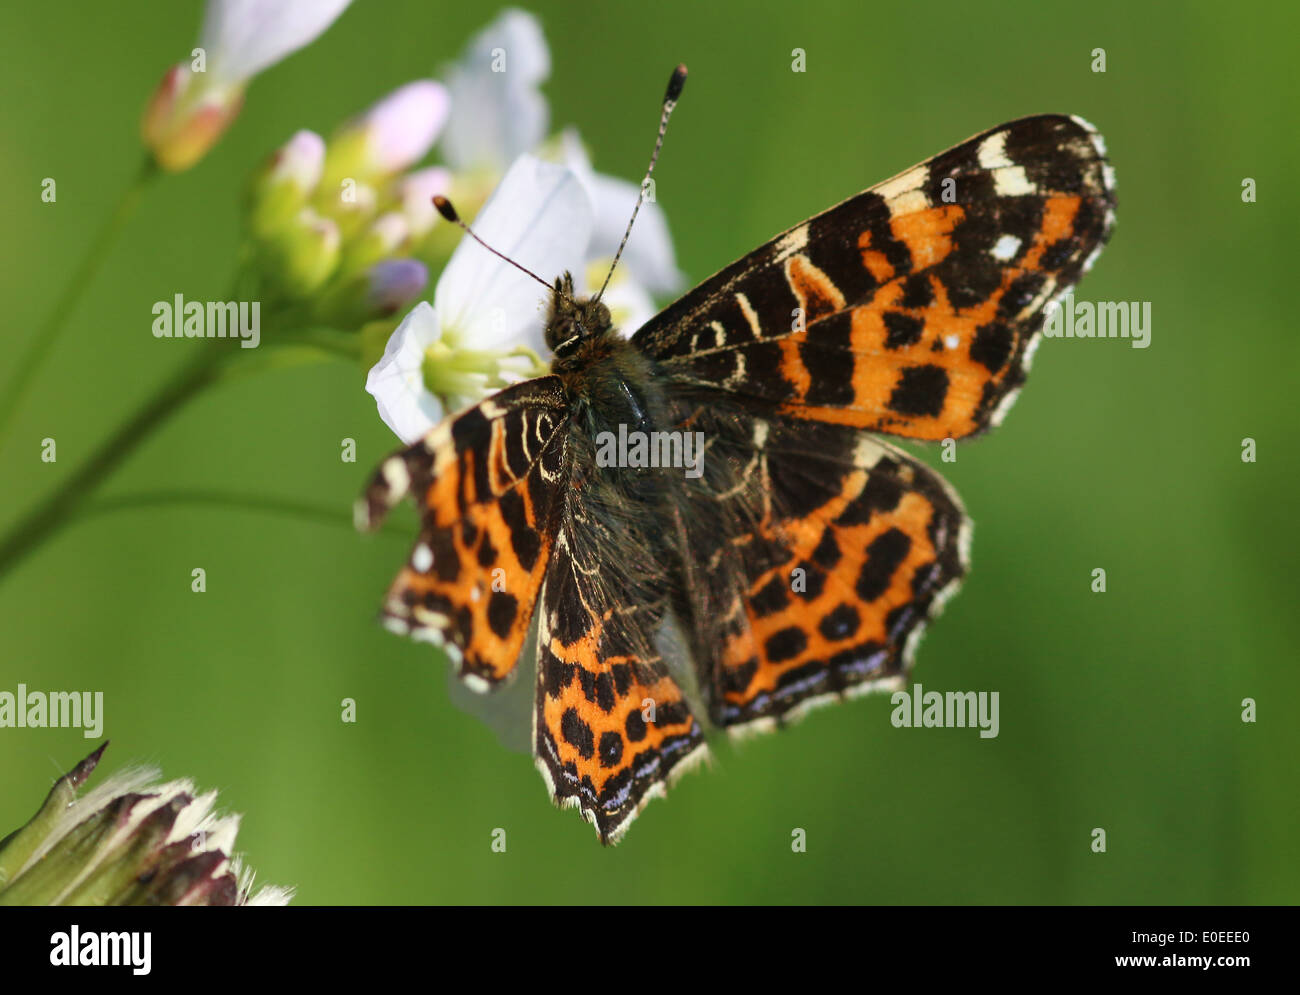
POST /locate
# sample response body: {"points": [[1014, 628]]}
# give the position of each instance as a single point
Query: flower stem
{"points": [[41, 346], [300, 510], [209, 365]]}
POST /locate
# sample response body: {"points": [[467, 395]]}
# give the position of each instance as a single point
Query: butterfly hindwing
{"points": [[837, 551], [913, 308], [612, 727], [488, 484]]}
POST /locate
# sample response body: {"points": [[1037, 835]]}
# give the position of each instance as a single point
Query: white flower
{"points": [[485, 312], [548, 217], [498, 113], [649, 257], [198, 99], [244, 37], [397, 381]]}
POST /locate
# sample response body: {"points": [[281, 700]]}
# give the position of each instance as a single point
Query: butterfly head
{"points": [[573, 320]]}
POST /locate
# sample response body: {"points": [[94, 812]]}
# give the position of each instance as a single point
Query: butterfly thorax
{"points": [[615, 392]]}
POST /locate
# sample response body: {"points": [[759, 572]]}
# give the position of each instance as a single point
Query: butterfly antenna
{"points": [[675, 84], [447, 211]]}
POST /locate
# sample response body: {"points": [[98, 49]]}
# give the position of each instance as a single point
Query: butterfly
{"points": [[781, 554]]}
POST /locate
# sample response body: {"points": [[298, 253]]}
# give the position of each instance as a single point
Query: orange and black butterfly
{"points": [[799, 559]]}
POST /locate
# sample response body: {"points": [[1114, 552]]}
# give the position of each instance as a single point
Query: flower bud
{"points": [[128, 842], [298, 259], [281, 188], [393, 285], [351, 204], [198, 100], [415, 192], [391, 136], [183, 119], [381, 291], [386, 235]]}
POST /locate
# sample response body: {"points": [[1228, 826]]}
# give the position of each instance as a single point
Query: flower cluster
{"points": [[340, 228], [343, 233], [550, 212]]}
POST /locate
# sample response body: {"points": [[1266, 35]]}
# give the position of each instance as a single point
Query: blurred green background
{"points": [[1119, 710]]}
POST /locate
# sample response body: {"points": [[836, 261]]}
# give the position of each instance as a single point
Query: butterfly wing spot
{"points": [[396, 477], [991, 153], [927, 234], [422, 558], [1006, 247], [791, 242], [817, 296], [907, 189]]}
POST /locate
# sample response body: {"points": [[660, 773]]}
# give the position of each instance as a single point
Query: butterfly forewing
{"points": [[488, 483], [910, 309]]}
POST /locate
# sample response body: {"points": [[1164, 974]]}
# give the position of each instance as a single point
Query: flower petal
{"points": [[497, 111], [401, 127], [630, 304], [397, 383], [541, 217], [415, 196], [243, 37], [299, 160], [649, 254]]}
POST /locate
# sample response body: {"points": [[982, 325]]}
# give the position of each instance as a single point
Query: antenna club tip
{"points": [[676, 82], [445, 209]]}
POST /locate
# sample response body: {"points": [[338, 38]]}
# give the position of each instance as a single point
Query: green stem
{"points": [[41, 346], [341, 345], [239, 502], [210, 364]]}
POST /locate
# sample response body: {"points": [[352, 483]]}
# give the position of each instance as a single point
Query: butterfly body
{"points": [[612, 390], [795, 556]]}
